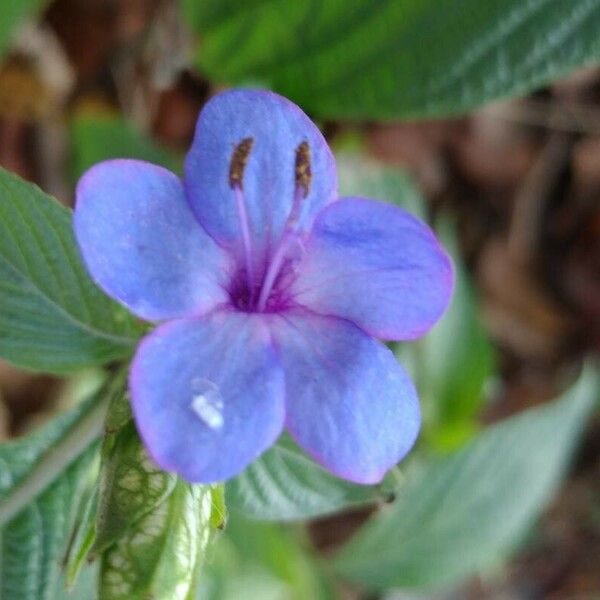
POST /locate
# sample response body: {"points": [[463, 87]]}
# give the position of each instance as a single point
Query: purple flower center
{"points": [[264, 288]]}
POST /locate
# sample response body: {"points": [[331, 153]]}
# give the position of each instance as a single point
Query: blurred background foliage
{"points": [[500, 499]]}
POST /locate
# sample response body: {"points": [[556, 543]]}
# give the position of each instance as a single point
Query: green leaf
{"points": [[33, 543], [30, 464], [52, 316], [98, 136], [285, 484], [157, 556], [151, 529], [83, 541], [85, 589], [360, 176], [131, 486], [256, 561], [42, 477], [14, 14], [463, 513], [395, 58], [454, 360]]}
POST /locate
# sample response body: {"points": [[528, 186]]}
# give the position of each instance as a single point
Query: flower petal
{"points": [[349, 403], [208, 395], [376, 265], [277, 128], [142, 243]]}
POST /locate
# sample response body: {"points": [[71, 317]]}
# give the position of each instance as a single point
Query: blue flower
{"points": [[270, 292]]}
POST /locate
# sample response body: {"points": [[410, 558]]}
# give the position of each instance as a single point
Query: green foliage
{"points": [[85, 589], [156, 557], [149, 529], [42, 477], [261, 561], [464, 512], [14, 13], [52, 316], [33, 543], [285, 484], [130, 486], [83, 541], [394, 58], [98, 136], [360, 176], [454, 360]]}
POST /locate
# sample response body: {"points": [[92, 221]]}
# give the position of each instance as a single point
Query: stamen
{"points": [[237, 166], [302, 180], [303, 172], [275, 265], [239, 159]]}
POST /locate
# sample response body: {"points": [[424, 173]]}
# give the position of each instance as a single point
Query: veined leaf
{"points": [[462, 513], [52, 316], [285, 484], [157, 556], [395, 58], [33, 543], [41, 480], [131, 486], [151, 529], [118, 417]]}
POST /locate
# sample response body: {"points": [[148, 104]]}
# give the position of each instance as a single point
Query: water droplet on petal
{"points": [[207, 402]]}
